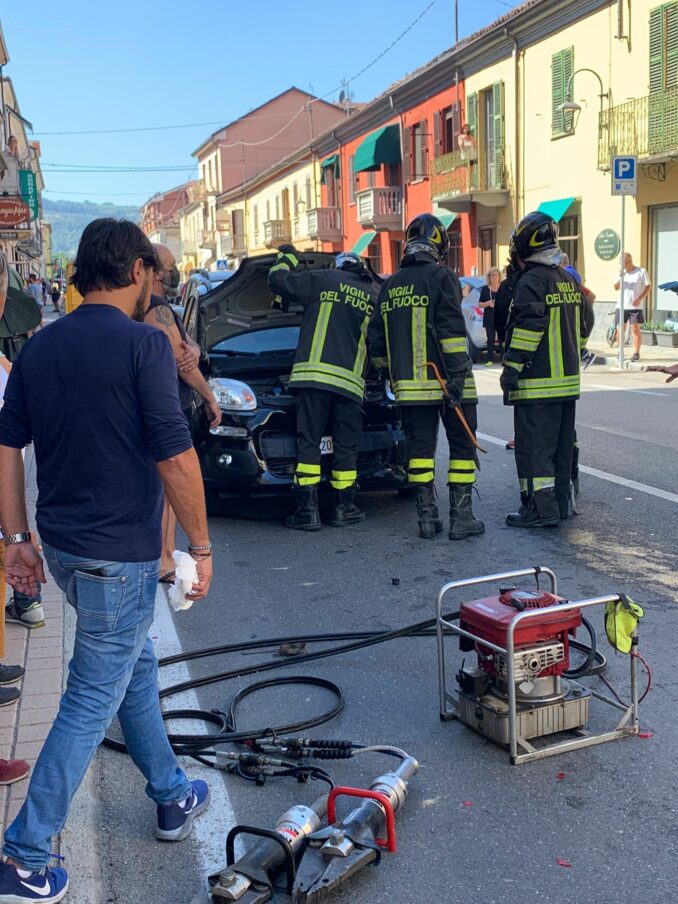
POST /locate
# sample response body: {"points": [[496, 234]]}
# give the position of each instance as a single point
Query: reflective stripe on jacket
{"points": [[548, 324], [332, 349], [419, 302]]}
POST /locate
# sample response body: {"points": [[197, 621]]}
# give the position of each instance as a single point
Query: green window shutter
{"points": [[657, 50], [472, 114], [562, 67], [499, 132], [671, 45]]}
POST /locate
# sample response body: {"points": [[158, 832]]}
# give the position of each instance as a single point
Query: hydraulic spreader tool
{"points": [[305, 859], [520, 692]]}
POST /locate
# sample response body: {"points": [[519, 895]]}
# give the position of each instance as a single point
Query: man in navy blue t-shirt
{"points": [[96, 393]]}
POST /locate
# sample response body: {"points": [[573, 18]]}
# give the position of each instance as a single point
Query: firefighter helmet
{"points": [[429, 231], [348, 259], [536, 232]]}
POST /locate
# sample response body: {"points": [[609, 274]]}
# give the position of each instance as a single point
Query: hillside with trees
{"points": [[69, 218]]}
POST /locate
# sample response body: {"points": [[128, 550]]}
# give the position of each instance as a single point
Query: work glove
{"points": [[455, 389], [509, 379]]}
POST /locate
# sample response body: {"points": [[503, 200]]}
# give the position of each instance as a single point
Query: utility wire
{"points": [[220, 122]]}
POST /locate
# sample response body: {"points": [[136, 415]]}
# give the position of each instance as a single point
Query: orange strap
{"points": [[456, 408]]}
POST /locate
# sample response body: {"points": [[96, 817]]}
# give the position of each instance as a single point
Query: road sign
{"points": [[624, 176], [607, 245]]}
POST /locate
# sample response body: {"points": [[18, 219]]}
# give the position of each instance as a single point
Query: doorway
{"points": [[487, 244]]}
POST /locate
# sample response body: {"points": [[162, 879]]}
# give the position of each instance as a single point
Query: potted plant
{"points": [[666, 336], [647, 332]]}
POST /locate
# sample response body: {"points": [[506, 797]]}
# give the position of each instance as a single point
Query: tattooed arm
{"points": [[162, 317]]}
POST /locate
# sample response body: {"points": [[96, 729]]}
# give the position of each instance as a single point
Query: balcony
{"points": [[457, 182], [646, 127], [324, 224], [197, 192], [277, 232], [233, 244], [380, 208], [209, 239]]}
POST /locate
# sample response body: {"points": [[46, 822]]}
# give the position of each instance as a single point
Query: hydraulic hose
{"points": [[196, 745]]}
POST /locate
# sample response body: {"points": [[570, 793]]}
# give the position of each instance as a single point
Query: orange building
{"points": [[376, 169]]}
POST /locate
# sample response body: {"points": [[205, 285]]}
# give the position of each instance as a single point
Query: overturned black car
{"points": [[248, 352]]}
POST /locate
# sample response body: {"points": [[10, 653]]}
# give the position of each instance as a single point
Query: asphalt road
{"points": [[474, 828]]}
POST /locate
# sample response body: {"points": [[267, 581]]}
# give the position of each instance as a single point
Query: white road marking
{"points": [[209, 830], [662, 395], [603, 475]]}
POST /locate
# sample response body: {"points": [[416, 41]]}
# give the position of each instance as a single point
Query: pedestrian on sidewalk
{"points": [[55, 294], [636, 288], [34, 289], [486, 301], [99, 515], [187, 357], [10, 770]]}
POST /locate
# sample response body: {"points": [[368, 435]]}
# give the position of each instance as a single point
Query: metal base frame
{"points": [[521, 750]]}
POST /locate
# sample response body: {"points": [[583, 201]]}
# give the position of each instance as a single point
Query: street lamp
{"points": [[571, 106]]}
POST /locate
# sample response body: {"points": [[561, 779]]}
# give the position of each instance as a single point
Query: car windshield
{"points": [[260, 342]]}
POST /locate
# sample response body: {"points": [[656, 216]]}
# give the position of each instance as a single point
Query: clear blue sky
{"points": [[79, 65]]}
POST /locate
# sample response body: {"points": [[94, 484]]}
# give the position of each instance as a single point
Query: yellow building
{"points": [[272, 209]]}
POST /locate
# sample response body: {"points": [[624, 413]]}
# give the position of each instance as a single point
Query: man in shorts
{"points": [[636, 287]]}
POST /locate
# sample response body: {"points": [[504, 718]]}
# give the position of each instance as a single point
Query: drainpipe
{"points": [[620, 20], [517, 177]]}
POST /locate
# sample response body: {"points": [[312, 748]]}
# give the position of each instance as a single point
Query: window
{"points": [[309, 197], [562, 67], [569, 239], [255, 223], [352, 180], [268, 211], [446, 129], [295, 198], [394, 175], [418, 152], [331, 184], [493, 101], [373, 254], [371, 178], [663, 48], [277, 207]]}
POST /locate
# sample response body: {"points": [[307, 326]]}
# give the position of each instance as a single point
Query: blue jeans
{"points": [[113, 670]]}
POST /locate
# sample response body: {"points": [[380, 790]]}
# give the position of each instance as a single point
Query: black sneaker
{"points": [[587, 359], [9, 695], [9, 674], [635, 356]]}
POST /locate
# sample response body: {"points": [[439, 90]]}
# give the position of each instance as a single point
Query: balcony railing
{"points": [[380, 208], [324, 224], [277, 232], [209, 239], [644, 127], [455, 174], [233, 244]]}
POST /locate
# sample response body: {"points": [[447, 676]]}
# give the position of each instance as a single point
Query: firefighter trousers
{"points": [[321, 413], [420, 423], [545, 439]]}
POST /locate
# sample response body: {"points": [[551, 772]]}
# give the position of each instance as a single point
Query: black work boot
{"points": [[541, 511], [564, 498], [463, 523], [306, 516], [345, 512], [430, 522]]}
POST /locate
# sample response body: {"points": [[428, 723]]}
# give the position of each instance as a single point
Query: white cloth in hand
{"points": [[186, 576]]}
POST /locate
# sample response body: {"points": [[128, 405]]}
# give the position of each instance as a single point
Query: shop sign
{"points": [[607, 245], [29, 191], [13, 211]]}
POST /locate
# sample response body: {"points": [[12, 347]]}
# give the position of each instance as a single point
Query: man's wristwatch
{"points": [[24, 537]]}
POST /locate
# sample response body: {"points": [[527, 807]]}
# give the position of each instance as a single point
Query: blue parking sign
{"points": [[624, 175]]}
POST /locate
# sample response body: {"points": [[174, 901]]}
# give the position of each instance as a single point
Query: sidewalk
{"points": [[649, 354], [24, 726]]}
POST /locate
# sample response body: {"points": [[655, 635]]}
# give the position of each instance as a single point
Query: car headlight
{"points": [[232, 395]]}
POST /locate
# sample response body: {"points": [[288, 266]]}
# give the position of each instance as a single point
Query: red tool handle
{"points": [[389, 843]]}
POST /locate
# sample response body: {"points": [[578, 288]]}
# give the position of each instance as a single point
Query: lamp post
{"points": [[571, 106]]}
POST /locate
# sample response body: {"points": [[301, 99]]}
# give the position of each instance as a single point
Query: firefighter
{"points": [[328, 376], [547, 326], [418, 320]]}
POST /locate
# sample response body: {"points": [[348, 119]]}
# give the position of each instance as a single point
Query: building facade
{"points": [[159, 217]]}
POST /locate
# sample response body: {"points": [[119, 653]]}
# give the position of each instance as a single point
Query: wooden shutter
{"points": [[407, 155], [472, 114], [671, 46], [423, 125], [438, 127], [657, 50], [663, 118], [499, 132], [456, 124], [562, 67]]}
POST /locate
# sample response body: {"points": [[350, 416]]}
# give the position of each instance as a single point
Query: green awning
{"points": [[329, 163], [382, 146], [447, 219], [364, 241], [556, 209]]}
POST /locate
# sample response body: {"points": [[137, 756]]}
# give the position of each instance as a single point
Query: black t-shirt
{"points": [[97, 394], [486, 294]]}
